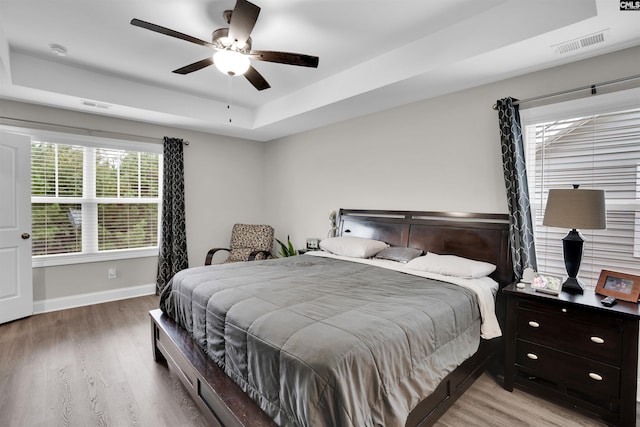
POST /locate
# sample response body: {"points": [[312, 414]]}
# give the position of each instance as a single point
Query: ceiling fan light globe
{"points": [[231, 63]]}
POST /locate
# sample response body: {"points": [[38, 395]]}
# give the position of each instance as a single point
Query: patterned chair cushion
{"points": [[247, 238], [255, 236], [242, 254]]}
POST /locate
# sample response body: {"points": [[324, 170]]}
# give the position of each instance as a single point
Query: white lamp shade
{"points": [[230, 62], [576, 209]]}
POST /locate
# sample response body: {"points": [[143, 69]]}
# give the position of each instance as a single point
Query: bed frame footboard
{"points": [[223, 403]]}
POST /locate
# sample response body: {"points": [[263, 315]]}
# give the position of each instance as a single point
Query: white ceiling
{"points": [[374, 55]]}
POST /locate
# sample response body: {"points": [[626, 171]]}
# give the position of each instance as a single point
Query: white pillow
{"points": [[355, 247], [451, 265]]}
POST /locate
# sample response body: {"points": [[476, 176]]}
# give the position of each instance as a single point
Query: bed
{"points": [[329, 340]]}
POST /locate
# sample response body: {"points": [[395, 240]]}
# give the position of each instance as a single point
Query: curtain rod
{"points": [[10, 121], [592, 88]]}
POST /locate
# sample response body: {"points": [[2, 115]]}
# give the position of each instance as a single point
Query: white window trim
{"points": [[68, 259], [97, 142], [592, 106], [596, 104], [94, 141]]}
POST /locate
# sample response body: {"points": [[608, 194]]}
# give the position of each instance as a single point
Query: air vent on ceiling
{"points": [[95, 104], [568, 47], [580, 43], [592, 39]]}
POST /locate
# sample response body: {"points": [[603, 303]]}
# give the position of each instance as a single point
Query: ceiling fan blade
{"points": [[256, 79], [169, 32], [195, 66], [285, 58], [243, 19]]}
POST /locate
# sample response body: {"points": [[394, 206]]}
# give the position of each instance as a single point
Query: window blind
{"points": [[87, 200], [599, 151]]}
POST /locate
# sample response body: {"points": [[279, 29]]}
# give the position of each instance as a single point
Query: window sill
{"points": [[67, 259]]}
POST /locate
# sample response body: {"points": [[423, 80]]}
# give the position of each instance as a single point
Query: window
{"points": [[92, 203], [595, 150]]}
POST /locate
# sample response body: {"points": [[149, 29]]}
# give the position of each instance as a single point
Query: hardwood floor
{"points": [[88, 366], [93, 366], [486, 403]]}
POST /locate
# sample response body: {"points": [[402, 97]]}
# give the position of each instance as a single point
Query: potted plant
{"points": [[287, 250]]}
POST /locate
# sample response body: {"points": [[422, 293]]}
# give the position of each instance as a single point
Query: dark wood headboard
{"points": [[483, 237]]}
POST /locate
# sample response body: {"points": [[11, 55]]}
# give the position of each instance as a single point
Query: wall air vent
{"points": [[592, 39], [580, 43], [95, 104], [568, 47]]}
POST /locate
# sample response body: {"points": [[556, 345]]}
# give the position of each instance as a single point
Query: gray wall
{"points": [[438, 154], [223, 185]]}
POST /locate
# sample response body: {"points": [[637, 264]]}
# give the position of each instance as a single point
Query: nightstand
{"points": [[305, 250], [573, 351]]}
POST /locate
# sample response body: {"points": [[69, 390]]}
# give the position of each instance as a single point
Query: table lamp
{"points": [[575, 209]]}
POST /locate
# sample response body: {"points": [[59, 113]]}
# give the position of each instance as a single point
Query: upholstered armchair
{"points": [[248, 242]]}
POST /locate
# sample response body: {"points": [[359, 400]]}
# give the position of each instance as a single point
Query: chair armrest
{"points": [[252, 255], [207, 260]]}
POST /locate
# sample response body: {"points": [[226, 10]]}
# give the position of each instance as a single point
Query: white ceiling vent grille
{"points": [[592, 39], [95, 104], [580, 43], [568, 47]]}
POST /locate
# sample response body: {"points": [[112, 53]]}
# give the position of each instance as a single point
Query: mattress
{"points": [[319, 341]]}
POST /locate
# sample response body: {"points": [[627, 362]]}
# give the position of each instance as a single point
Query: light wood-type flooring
{"points": [[93, 366]]}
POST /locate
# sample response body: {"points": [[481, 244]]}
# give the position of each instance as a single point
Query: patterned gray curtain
{"points": [[523, 251], [172, 255]]}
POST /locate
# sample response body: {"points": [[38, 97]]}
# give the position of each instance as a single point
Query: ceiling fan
{"points": [[233, 46]]}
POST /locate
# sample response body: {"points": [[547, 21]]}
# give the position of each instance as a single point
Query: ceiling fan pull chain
{"points": [[229, 87]]}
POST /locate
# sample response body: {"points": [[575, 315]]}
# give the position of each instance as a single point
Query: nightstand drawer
{"points": [[572, 374], [601, 341], [571, 312]]}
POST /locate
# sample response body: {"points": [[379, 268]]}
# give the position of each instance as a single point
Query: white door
{"points": [[16, 287]]}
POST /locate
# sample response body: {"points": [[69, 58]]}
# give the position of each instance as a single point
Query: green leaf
{"points": [[287, 250], [292, 251]]}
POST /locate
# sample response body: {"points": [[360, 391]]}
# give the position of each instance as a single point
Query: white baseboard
{"points": [[54, 304]]}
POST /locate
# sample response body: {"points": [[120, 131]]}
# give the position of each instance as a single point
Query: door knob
{"points": [[25, 236]]}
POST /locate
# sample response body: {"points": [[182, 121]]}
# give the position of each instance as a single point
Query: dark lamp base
{"points": [[573, 286]]}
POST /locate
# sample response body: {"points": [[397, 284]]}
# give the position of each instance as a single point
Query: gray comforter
{"points": [[323, 342]]}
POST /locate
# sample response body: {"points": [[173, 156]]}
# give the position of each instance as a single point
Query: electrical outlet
{"points": [[313, 244], [111, 273]]}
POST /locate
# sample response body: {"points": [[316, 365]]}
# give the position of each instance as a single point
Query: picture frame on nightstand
{"points": [[625, 287], [546, 283]]}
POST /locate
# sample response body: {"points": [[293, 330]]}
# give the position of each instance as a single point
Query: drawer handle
{"points": [[595, 376], [533, 356], [534, 324], [597, 340], [564, 310]]}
